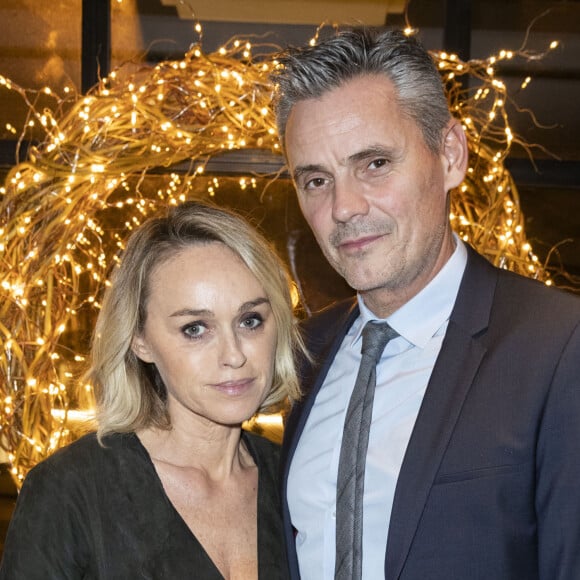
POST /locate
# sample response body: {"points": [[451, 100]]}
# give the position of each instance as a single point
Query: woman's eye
{"points": [[252, 321], [195, 330]]}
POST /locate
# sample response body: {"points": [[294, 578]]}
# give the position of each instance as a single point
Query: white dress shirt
{"points": [[402, 376]]}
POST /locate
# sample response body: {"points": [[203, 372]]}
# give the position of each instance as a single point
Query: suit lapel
{"points": [[461, 354]]}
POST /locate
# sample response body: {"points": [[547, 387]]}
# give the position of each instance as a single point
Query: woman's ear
{"points": [[141, 349], [455, 154]]}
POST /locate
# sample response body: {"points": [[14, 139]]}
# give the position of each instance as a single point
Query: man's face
{"points": [[372, 191]]}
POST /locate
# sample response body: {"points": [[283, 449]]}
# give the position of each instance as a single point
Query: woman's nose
{"points": [[232, 354]]}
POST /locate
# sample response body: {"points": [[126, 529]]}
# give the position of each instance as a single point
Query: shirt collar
{"points": [[419, 319]]}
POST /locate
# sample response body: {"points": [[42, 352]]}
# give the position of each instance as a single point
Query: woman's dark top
{"points": [[89, 512]]}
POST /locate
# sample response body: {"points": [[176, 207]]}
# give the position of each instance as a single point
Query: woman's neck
{"points": [[216, 450]]}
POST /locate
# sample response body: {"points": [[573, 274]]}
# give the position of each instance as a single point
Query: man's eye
{"points": [[377, 163], [315, 183], [252, 321], [195, 330]]}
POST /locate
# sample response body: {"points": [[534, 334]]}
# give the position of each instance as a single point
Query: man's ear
{"points": [[455, 154], [141, 349]]}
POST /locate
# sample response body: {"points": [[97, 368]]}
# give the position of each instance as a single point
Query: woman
{"points": [[196, 334]]}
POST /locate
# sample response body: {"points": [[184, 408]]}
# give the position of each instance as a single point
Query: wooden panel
{"points": [[370, 12]]}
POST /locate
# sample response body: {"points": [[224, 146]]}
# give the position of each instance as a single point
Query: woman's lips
{"points": [[233, 388]]}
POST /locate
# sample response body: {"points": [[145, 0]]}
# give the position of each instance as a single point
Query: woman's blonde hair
{"points": [[129, 392]]}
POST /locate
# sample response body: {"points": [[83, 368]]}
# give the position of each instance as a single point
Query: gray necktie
{"points": [[355, 441]]}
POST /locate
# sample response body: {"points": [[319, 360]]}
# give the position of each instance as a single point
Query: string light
{"points": [[66, 211]]}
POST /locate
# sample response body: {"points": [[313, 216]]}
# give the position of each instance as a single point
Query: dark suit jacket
{"points": [[490, 483]]}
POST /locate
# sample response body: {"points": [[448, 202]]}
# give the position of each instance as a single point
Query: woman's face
{"points": [[211, 333]]}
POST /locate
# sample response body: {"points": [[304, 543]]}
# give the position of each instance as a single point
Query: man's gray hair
{"points": [[311, 71]]}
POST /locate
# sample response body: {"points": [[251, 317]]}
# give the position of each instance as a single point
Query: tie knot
{"points": [[375, 336]]}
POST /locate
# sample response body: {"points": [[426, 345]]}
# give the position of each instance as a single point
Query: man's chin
{"points": [[363, 282]]}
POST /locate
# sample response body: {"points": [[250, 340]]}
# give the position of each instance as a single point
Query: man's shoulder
{"points": [[334, 314], [515, 295], [324, 327], [528, 293]]}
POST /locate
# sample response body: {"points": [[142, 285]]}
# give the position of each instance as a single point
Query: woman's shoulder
{"points": [[260, 442], [84, 457], [265, 451], [78, 450]]}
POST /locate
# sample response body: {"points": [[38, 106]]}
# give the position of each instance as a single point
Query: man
{"points": [[473, 461]]}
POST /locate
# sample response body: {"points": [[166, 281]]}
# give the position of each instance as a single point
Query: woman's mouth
{"points": [[234, 388]]}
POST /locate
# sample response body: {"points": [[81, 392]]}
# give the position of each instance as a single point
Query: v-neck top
{"points": [[91, 512]]}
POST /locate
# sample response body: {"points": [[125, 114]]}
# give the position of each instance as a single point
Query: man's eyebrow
{"points": [[372, 151], [366, 153], [302, 169]]}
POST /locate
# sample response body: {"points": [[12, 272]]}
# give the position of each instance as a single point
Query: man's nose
{"points": [[349, 200]]}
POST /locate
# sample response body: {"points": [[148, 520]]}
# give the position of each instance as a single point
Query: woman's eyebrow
{"points": [[205, 312]]}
